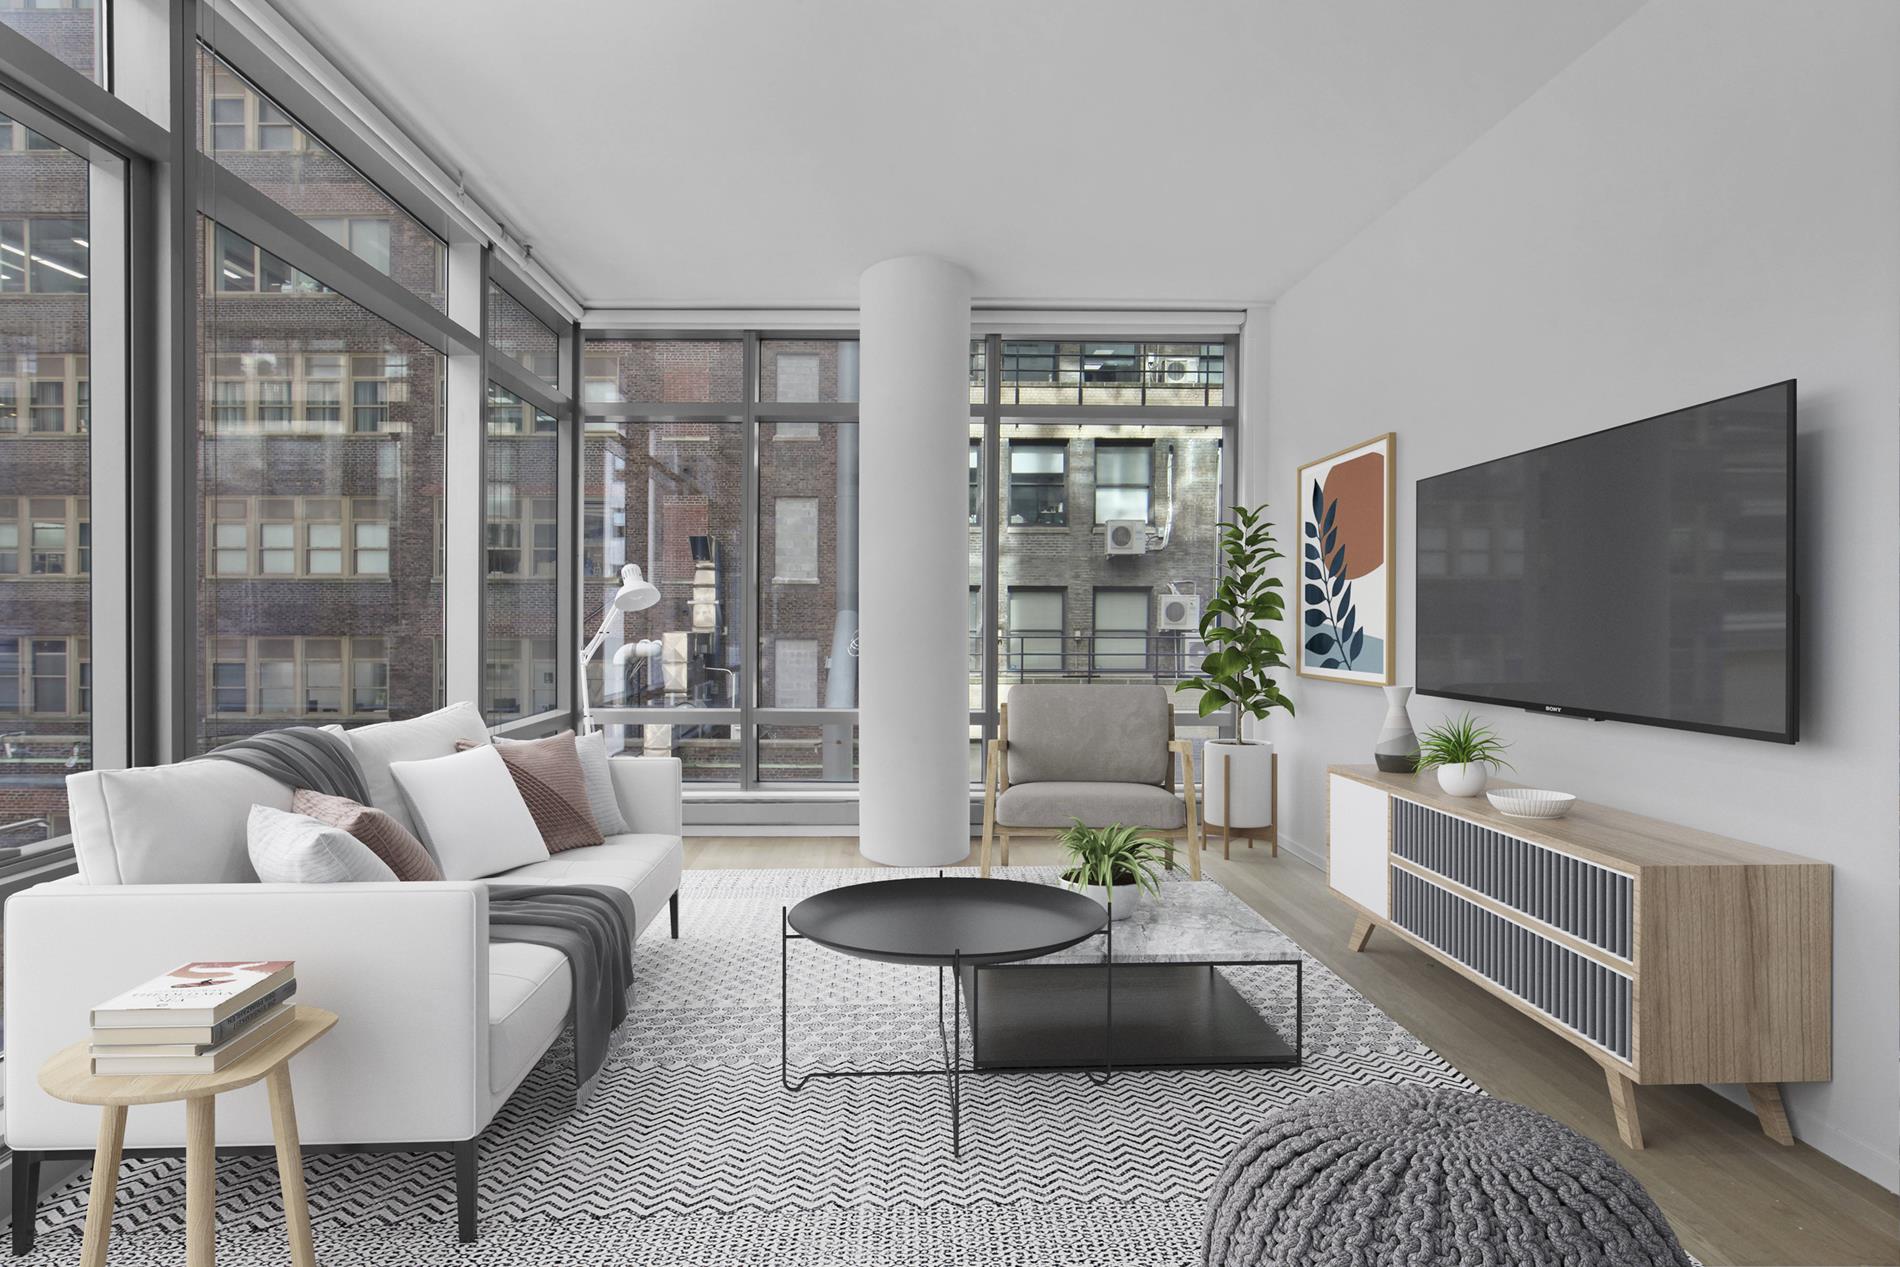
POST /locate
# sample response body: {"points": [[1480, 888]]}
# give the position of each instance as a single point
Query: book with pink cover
{"points": [[203, 992]]}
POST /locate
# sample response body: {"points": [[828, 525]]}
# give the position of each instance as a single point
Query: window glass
{"points": [[666, 371], [318, 599], [808, 632], [1041, 372], [254, 139], [668, 497], [71, 30], [1038, 484], [521, 604], [517, 333], [808, 371], [45, 473], [1079, 604]]}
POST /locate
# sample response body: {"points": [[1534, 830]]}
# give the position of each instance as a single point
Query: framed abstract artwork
{"points": [[1345, 573]]}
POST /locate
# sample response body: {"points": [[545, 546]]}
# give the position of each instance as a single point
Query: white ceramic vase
{"points": [[1396, 752], [1127, 897], [1466, 779], [1237, 780]]}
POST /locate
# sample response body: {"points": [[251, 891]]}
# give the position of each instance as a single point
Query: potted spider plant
{"points": [[1243, 651], [1113, 864], [1464, 752]]}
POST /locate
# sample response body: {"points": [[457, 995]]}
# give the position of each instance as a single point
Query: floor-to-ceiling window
{"points": [[45, 482], [725, 467], [521, 558], [320, 451], [1109, 465]]}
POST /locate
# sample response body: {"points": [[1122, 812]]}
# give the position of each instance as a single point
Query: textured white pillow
{"points": [[598, 780], [431, 735], [467, 811], [297, 849]]}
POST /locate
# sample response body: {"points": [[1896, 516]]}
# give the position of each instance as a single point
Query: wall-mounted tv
{"points": [[1645, 573]]}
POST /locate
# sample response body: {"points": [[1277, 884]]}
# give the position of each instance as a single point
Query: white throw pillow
{"points": [[466, 809], [434, 734], [599, 782], [297, 849], [168, 824]]}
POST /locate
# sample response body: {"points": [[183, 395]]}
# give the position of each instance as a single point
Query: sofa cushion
{"points": [[298, 849], [1094, 734], [169, 824], [528, 992], [1096, 804], [646, 867], [592, 750], [417, 739], [388, 839], [470, 815], [547, 773]]}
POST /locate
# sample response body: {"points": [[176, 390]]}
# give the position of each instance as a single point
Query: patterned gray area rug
{"points": [[691, 1153]]}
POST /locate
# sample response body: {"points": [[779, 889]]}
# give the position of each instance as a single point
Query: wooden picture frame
{"points": [[1346, 611]]}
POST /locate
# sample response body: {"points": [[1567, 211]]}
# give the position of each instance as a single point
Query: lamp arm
{"points": [[587, 653]]}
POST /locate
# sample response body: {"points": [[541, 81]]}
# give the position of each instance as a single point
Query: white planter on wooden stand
{"points": [[1241, 794]]}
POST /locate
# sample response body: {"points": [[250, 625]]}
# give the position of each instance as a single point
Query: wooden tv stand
{"points": [[1669, 955]]}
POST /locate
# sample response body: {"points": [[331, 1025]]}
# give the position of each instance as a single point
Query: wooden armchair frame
{"points": [[996, 782]]}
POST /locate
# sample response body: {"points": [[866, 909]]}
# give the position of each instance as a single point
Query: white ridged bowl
{"points": [[1531, 802]]}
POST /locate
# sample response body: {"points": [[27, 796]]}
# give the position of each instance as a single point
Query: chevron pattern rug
{"points": [[692, 1154]]}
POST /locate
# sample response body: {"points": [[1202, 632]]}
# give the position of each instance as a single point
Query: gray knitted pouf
{"points": [[1411, 1177]]}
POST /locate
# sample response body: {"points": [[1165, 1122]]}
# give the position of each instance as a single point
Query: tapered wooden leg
{"points": [[989, 826], [1226, 807], [1360, 935], [201, 1181], [283, 1121], [1766, 1097], [1623, 1099], [1003, 840], [105, 1185]]}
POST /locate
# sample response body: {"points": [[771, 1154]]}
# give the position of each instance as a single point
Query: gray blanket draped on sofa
{"points": [[591, 924]]}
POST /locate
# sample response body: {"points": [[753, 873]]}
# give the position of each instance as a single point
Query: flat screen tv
{"points": [[1642, 574]]}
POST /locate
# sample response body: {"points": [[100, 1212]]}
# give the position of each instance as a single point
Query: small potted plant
{"points": [[1464, 752], [1113, 864]]}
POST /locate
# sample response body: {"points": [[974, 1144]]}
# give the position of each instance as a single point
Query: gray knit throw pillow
{"points": [[1410, 1177]]}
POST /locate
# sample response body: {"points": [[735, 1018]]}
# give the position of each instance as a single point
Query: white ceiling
{"points": [[750, 152]]}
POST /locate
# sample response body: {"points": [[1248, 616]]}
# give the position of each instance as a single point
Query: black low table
{"points": [[947, 922], [1052, 983]]}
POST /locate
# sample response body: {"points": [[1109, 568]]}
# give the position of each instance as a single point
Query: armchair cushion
{"points": [[1088, 734], [1096, 804]]}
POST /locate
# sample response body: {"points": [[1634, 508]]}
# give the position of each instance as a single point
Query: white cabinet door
{"points": [[1358, 829]]}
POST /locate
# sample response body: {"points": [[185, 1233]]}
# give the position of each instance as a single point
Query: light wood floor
{"points": [[1733, 1196]]}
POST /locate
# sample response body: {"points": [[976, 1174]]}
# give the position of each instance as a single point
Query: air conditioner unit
{"points": [[1178, 612], [1125, 536]]}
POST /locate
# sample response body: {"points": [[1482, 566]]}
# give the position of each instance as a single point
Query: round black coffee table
{"points": [[945, 922], [937, 920]]}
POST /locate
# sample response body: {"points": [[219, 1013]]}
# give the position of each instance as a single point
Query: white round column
{"points": [[914, 442]]}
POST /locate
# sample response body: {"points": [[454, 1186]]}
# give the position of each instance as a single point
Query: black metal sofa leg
{"points": [[467, 1174], [26, 1201], [673, 911]]}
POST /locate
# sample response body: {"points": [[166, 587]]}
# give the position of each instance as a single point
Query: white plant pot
{"points": [[1127, 897], [1467, 779], [1237, 779]]}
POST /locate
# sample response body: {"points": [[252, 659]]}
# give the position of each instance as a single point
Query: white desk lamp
{"points": [[636, 593]]}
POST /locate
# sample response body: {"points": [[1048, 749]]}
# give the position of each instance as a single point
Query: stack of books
{"points": [[197, 1018]]}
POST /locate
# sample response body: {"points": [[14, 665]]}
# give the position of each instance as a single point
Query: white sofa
{"points": [[437, 1026]]}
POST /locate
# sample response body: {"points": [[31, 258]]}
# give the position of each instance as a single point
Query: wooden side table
{"points": [[68, 1076]]}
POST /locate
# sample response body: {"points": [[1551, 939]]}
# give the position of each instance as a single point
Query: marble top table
{"points": [[1194, 921]]}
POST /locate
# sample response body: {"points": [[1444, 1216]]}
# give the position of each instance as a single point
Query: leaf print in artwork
{"points": [[1331, 600]]}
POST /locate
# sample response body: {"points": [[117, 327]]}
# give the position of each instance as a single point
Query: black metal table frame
{"points": [[952, 1037]]}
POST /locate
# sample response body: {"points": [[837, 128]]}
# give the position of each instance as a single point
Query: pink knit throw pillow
{"points": [[381, 834]]}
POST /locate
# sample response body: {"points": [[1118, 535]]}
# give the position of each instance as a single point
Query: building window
{"points": [[47, 255], [797, 374], [1038, 484], [795, 673], [1124, 480], [241, 267], [976, 480], [1120, 643], [364, 237], [45, 536], [54, 389], [369, 676], [298, 677], [49, 676], [1035, 630], [795, 539]]}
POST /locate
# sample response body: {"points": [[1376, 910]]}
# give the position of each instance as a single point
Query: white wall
{"points": [[1707, 201]]}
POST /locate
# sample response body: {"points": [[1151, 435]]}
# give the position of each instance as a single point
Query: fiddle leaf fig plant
{"points": [[1236, 623]]}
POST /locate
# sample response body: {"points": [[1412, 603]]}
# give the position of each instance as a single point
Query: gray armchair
{"points": [[1103, 754]]}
